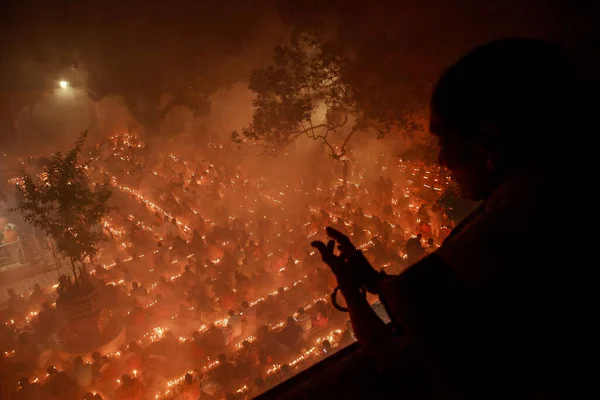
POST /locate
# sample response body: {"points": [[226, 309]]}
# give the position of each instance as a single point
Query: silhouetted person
{"points": [[499, 308], [414, 250]]}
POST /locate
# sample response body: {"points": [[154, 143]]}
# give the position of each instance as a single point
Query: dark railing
{"points": [[285, 388], [348, 373]]}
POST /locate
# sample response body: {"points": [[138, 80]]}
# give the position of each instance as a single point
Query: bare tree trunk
{"points": [[74, 270]]}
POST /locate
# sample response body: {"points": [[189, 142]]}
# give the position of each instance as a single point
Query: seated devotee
{"points": [[190, 389], [224, 372], [38, 296], [130, 389], [214, 340], [59, 385], [82, 372], [47, 320], [139, 294], [304, 321], [490, 296], [235, 323], [28, 390], [414, 250], [291, 334], [187, 278], [248, 317]]}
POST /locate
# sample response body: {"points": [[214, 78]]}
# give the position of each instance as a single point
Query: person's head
{"points": [[125, 379], [222, 358], [189, 378], [430, 241], [135, 285], [51, 370], [285, 368], [326, 345], [77, 361], [291, 321], [500, 109], [96, 356], [419, 236], [245, 304], [24, 382], [45, 306], [187, 268], [23, 338], [231, 313]]}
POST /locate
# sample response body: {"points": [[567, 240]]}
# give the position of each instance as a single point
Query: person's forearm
{"points": [[369, 329]]}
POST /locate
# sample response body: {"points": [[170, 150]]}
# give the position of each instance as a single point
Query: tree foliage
{"points": [[60, 203], [314, 90]]}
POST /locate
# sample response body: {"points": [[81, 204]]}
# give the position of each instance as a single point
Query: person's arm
{"points": [[369, 329]]}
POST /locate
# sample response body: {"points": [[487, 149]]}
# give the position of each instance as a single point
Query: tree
{"points": [[313, 90], [60, 203]]}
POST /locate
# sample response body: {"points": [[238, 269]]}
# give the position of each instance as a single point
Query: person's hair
{"points": [[231, 313], [222, 358], [526, 89]]}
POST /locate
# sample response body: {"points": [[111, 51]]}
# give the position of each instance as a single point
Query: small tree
{"points": [[61, 204]]}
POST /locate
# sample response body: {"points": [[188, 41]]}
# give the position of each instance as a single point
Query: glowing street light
{"points": [[63, 84]]}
